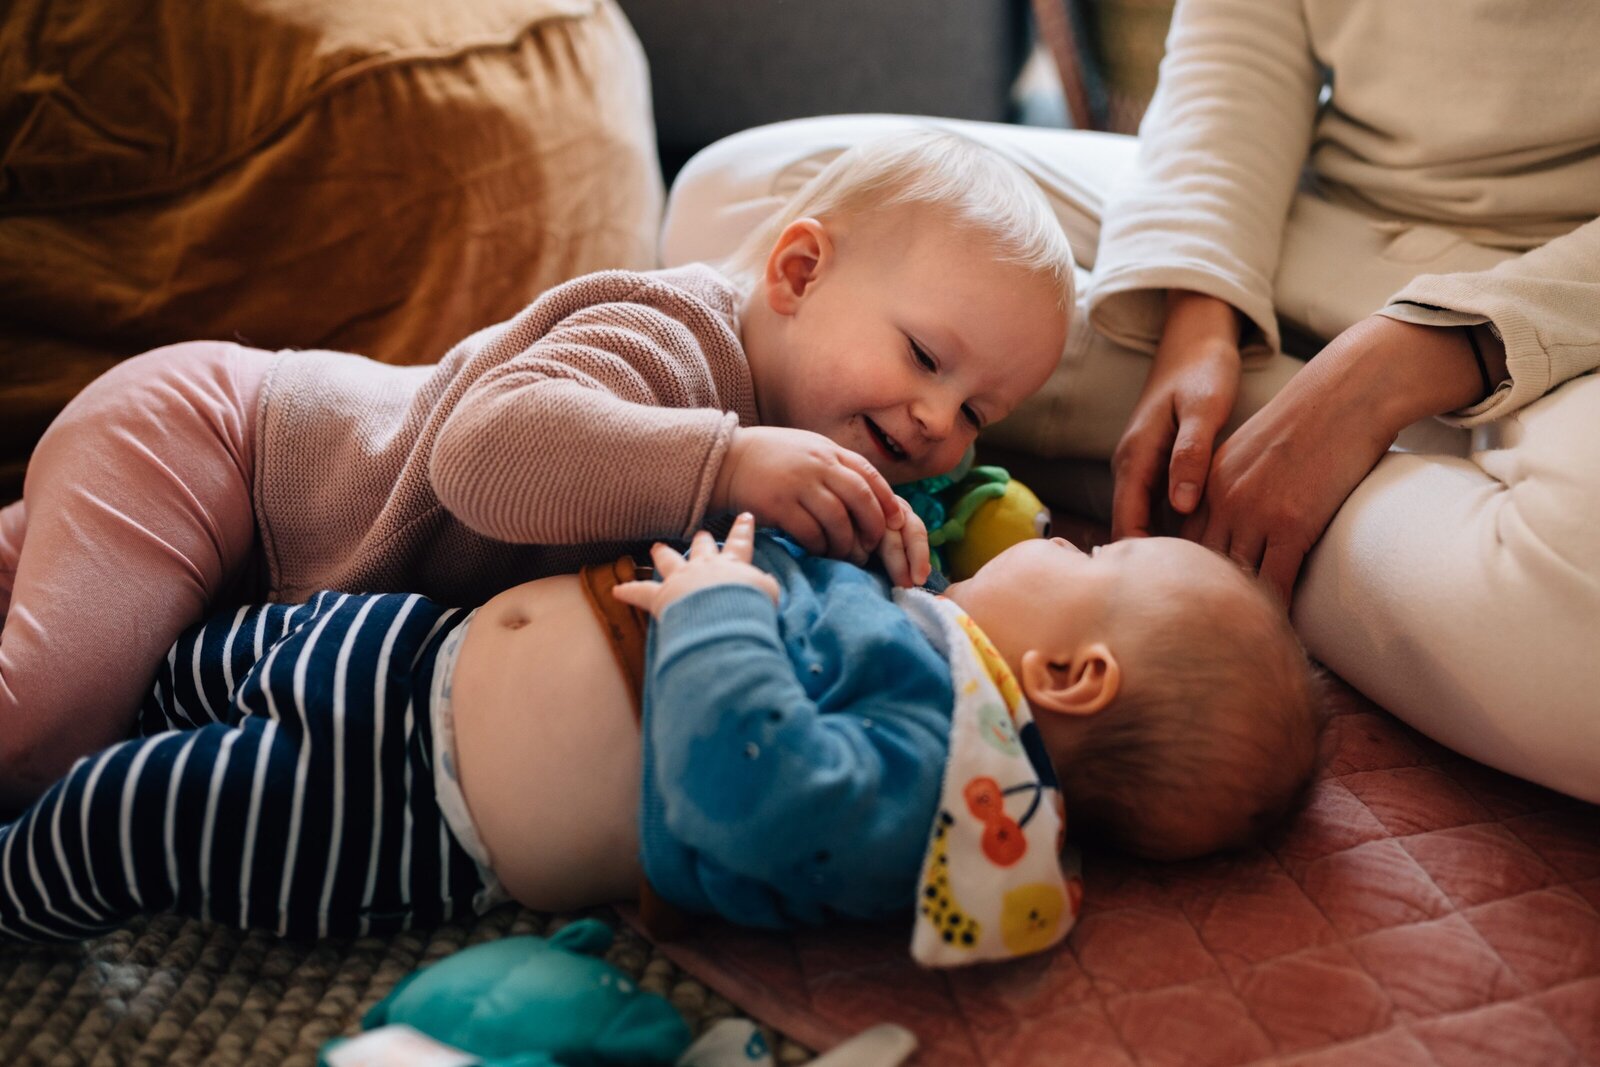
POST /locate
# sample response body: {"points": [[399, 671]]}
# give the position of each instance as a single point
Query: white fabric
{"points": [[1457, 586], [447, 779]]}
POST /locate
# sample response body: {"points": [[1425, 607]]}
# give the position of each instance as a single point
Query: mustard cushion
{"points": [[377, 176]]}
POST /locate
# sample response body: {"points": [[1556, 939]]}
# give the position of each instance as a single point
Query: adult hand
{"points": [[1276, 483], [829, 499], [705, 566], [905, 551], [1187, 397]]}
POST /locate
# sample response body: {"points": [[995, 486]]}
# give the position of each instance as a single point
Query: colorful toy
{"points": [[519, 1002], [973, 514]]}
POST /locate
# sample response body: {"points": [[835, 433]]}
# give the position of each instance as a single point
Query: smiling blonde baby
{"points": [[911, 294]]}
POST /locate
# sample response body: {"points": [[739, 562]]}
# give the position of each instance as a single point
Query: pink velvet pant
{"points": [[136, 519]]}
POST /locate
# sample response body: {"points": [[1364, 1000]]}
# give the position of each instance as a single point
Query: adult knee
{"points": [[731, 186], [716, 181], [1463, 595]]}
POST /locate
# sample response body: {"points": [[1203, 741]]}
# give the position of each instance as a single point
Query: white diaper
{"points": [[446, 780]]}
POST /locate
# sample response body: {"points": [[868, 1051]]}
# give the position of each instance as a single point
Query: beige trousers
{"points": [[1458, 586]]}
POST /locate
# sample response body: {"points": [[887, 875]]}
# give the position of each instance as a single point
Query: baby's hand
{"points": [[905, 551], [828, 498], [705, 566]]}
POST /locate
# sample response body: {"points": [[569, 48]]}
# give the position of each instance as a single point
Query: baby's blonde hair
{"points": [[1219, 718], [978, 191]]}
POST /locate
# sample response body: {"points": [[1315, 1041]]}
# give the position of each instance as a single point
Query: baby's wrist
{"points": [[704, 590], [722, 486]]}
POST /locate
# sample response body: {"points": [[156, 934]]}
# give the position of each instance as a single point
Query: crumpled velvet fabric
{"points": [[377, 176]]}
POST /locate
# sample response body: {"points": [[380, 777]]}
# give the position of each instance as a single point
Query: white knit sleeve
{"points": [[1221, 150], [1544, 304]]}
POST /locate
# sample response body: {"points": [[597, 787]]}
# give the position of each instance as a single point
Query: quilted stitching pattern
{"points": [[1424, 910]]}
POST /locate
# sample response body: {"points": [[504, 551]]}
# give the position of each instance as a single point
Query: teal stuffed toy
{"points": [[973, 514], [519, 1002]]}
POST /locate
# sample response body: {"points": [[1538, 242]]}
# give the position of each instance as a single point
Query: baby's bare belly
{"points": [[547, 748]]}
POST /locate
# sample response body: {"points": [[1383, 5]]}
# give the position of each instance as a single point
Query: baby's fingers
{"points": [[887, 504], [703, 545], [769, 585], [832, 517], [741, 542], [859, 511], [667, 559], [805, 530], [641, 595], [919, 557], [892, 550]]}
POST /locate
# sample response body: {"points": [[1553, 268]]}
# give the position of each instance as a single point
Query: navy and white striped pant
{"points": [[284, 780]]}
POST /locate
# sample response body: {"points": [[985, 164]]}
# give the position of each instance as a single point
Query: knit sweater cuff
{"points": [[1531, 368]]}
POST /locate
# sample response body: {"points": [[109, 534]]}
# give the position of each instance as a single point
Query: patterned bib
{"points": [[995, 883]]}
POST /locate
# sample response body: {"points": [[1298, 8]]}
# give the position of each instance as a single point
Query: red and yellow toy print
{"points": [[995, 883]]}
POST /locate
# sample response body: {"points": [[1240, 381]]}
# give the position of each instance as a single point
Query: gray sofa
{"points": [[718, 66]]}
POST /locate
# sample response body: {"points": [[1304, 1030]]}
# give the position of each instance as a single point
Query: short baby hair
{"points": [[1218, 723], [976, 189]]}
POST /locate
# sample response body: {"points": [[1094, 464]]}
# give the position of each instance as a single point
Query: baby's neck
{"points": [[991, 622]]}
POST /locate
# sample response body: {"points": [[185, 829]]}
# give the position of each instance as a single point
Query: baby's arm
{"points": [[609, 426], [777, 787]]}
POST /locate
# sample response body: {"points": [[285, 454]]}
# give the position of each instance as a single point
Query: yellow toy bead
{"points": [[994, 527]]}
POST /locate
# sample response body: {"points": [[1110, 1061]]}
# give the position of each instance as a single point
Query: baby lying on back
{"points": [[774, 753]]}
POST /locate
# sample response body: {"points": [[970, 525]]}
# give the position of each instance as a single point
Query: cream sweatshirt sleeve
{"points": [[1220, 153], [1544, 304], [612, 425]]}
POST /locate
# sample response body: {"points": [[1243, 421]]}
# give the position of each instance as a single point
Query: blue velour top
{"points": [[792, 754]]}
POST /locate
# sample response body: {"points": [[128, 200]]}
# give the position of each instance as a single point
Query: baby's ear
{"points": [[802, 251], [1081, 685]]}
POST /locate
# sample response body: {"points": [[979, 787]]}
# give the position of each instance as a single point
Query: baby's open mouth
{"points": [[885, 442]]}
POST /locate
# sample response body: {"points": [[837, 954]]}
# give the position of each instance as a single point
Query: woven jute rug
{"points": [[170, 991]]}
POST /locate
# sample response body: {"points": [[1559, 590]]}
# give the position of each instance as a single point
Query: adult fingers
{"points": [[888, 503], [1138, 460], [741, 541], [1191, 459], [1194, 525], [1218, 534], [1245, 547], [1280, 567]]}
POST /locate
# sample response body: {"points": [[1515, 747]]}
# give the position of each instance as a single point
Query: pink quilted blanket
{"points": [[1424, 910]]}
